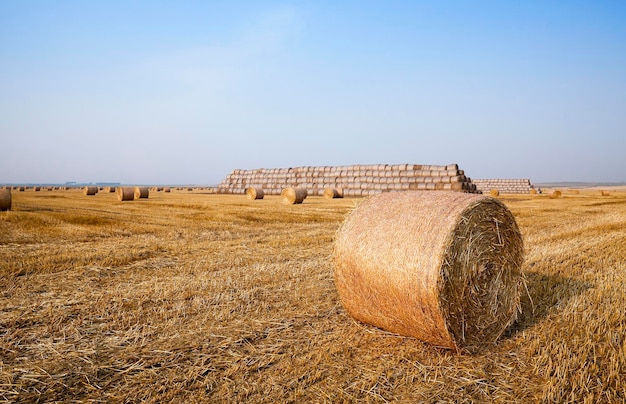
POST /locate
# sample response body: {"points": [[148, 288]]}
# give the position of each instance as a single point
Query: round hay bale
{"points": [[556, 194], [167, 189], [332, 193], [533, 191], [292, 196], [125, 193], [254, 193], [111, 189], [5, 199], [604, 193], [494, 192], [90, 190], [443, 267], [141, 192]]}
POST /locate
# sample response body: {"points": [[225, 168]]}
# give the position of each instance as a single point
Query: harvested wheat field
{"points": [[192, 297]]}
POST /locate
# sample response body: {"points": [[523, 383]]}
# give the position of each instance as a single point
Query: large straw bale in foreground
{"points": [[141, 192], [255, 193], [291, 196], [5, 199], [443, 267], [125, 193]]}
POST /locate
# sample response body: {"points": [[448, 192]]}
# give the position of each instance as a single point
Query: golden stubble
{"points": [[199, 297]]}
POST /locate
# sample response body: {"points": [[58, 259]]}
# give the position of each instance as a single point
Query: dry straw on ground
{"points": [[90, 190], [443, 267], [331, 193], [125, 193], [141, 192], [5, 199], [254, 193], [291, 196]]}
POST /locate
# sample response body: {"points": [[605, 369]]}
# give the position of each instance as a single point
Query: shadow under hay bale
{"points": [[545, 292], [442, 267]]}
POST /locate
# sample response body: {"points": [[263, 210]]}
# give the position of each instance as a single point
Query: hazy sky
{"points": [[182, 92]]}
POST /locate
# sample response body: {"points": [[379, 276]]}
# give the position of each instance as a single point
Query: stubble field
{"points": [[192, 297]]}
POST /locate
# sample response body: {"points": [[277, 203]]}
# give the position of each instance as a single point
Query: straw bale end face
{"points": [[443, 267]]}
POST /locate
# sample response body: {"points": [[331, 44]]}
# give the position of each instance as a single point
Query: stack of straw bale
{"points": [[355, 180], [504, 186], [441, 267]]}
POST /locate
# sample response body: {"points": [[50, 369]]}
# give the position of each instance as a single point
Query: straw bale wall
{"points": [[354, 180], [504, 186]]}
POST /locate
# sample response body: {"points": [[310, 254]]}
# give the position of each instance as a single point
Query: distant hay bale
{"points": [[167, 189], [111, 189], [292, 196], [556, 194], [533, 191], [125, 193], [573, 191], [254, 193], [5, 199], [443, 267], [90, 190], [141, 192], [604, 193], [37, 189], [332, 193], [494, 192]]}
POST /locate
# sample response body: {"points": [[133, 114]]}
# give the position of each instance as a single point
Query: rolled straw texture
{"points": [[443, 267], [5, 199], [90, 190], [556, 194], [255, 193], [331, 193], [494, 192], [291, 196], [141, 192], [125, 193]]}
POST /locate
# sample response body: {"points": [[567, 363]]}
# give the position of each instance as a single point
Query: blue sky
{"points": [[162, 92]]}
